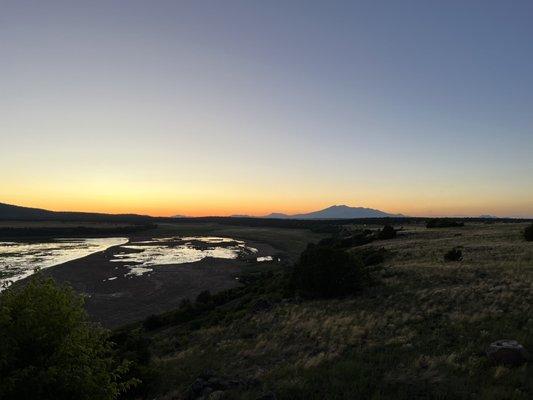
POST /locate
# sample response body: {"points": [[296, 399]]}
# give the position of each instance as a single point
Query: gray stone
{"points": [[267, 396], [507, 352], [216, 395]]}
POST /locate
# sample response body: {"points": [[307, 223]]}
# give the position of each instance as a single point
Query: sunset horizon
{"points": [[233, 210], [266, 200], [203, 109]]}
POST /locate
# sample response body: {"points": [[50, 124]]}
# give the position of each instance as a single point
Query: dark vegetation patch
{"points": [[444, 223], [455, 254], [49, 350], [388, 232], [327, 272], [327, 226], [344, 240], [528, 233]]}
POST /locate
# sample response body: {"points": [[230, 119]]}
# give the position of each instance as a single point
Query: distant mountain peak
{"points": [[338, 211], [277, 215]]}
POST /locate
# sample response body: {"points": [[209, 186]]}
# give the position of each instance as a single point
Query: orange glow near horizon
{"points": [[116, 191], [224, 207]]}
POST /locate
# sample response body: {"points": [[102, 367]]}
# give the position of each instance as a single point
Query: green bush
{"points": [[153, 322], [371, 256], [388, 232], [353, 239], [326, 272], [528, 233], [49, 350], [454, 254]]}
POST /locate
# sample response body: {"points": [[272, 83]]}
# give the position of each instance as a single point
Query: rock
{"points": [[200, 389], [198, 386], [207, 373], [218, 383], [216, 395], [208, 384], [267, 396], [507, 352]]}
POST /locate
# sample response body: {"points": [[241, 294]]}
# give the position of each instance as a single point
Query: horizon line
{"points": [[237, 215]]}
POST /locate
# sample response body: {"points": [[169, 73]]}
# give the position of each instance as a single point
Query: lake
{"points": [[141, 257], [19, 260]]}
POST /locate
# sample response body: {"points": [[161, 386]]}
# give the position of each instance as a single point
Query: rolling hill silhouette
{"points": [[18, 213]]}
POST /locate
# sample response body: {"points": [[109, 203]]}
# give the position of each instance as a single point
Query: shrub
{"points": [[443, 223], [454, 254], [528, 233], [153, 322], [371, 256], [353, 239], [326, 272], [49, 350], [204, 297], [185, 304], [388, 232]]}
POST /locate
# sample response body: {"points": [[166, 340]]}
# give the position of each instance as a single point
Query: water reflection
{"points": [[19, 260], [180, 250]]}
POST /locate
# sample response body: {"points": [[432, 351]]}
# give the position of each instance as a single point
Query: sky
{"points": [[247, 107]]}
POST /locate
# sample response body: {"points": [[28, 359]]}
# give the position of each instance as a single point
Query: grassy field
{"points": [[420, 333]]}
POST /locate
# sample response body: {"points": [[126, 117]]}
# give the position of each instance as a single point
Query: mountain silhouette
{"points": [[337, 212]]}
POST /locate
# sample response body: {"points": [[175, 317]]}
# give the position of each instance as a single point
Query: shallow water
{"points": [[179, 250], [265, 258], [19, 260]]}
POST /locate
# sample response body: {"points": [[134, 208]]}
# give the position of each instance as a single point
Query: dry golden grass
{"points": [[426, 324]]}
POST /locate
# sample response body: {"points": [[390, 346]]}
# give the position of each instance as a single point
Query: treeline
{"points": [[72, 231], [333, 225]]}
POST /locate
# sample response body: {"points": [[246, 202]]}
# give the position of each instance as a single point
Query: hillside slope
{"points": [[421, 332], [18, 213]]}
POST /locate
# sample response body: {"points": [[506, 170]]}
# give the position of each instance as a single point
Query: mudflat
{"points": [[114, 296]]}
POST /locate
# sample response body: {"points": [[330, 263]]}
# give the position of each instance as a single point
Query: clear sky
{"points": [[221, 107]]}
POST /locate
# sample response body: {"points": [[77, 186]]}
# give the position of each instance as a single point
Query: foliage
{"points": [[153, 322], [134, 346], [443, 223], [326, 272], [344, 241], [528, 233], [388, 232], [455, 254], [371, 256], [204, 297], [48, 349]]}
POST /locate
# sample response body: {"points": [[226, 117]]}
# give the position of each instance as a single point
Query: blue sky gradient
{"points": [[220, 107]]}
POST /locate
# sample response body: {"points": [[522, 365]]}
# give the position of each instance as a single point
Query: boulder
{"points": [[507, 352], [208, 385], [267, 396], [216, 395]]}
